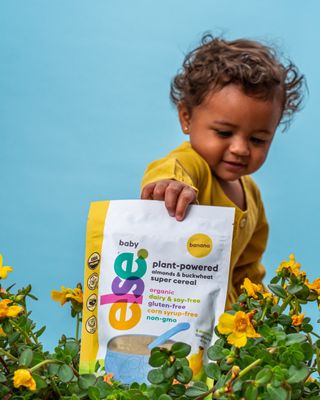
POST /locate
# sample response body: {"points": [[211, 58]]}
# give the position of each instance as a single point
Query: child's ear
{"points": [[184, 117]]}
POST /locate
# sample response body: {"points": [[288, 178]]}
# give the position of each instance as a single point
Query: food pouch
{"points": [[152, 281]]}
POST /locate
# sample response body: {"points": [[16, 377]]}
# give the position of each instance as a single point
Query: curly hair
{"points": [[252, 65]]}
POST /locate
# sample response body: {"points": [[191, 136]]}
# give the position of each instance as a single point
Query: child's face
{"points": [[232, 131]]}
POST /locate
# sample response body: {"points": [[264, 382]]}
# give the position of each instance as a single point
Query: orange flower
{"points": [[268, 295], [4, 270], [9, 311], [251, 288], [315, 285], [238, 327], [67, 294], [108, 378], [23, 377], [297, 319], [292, 266]]}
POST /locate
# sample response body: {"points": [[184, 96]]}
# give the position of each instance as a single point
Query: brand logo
{"points": [[127, 290]]}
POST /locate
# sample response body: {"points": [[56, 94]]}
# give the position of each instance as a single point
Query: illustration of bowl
{"points": [[127, 357]]}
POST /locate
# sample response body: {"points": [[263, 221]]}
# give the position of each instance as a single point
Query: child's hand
{"points": [[177, 196]]}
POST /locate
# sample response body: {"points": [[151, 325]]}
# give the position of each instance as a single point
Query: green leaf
{"points": [[213, 371], [180, 363], [307, 349], [195, 391], [86, 380], [264, 376], [177, 390], [180, 350], [7, 327], [2, 378], [103, 387], [279, 373], [284, 320], [184, 375], [155, 376], [275, 279], [53, 369], [297, 374], [295, 289], [26, 357], [215, 352], [295, 338], [277, 393], [278, 290], [40, 382], [251, 392], [40, 331], [93, 393], [72, 348], [158, 358], [165, 397], [307, 328], [13, 337], [168, 372], [65, 373]]}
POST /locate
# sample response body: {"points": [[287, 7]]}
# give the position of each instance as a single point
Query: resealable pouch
{"points": [[152, 281]]}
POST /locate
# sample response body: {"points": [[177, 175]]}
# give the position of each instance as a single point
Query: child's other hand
{"points": [[177, 196]]}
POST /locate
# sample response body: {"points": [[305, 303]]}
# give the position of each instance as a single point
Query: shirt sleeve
{"points": [[180, 166], [249, 264]]}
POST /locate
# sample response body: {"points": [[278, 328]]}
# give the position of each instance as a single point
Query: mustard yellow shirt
{"points": [[250, 227]]}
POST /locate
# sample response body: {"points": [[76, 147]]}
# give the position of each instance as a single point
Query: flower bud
{"points": [[235, 371]]}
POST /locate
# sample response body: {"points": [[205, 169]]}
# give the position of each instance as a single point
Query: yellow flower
{"points": [[60, 296], [251, 288], [9, 311], [4, 270], [297, 319], [238, 327], [292, 266], [23, 377], [75, 295], [315, 285], [268, 295], [67, 294]]}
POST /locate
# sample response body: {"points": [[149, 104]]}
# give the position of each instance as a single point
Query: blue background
{"points": [[84, 108]]}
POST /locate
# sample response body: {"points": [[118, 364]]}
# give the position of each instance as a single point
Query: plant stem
{"points": [[45, 362], [249, 367], [4, 365], [264, 312], [315, 334], [5, 353], [15, 325], [77, 327], [55, 387]]}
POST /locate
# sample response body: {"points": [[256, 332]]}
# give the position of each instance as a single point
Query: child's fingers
{"points": [[171, 196], [187, 196], [160, 189], [147, 191]]}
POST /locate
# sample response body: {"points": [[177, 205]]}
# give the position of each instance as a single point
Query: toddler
{"points": [[230, 96]]}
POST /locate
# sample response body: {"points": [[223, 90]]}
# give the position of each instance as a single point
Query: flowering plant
{"points": [[266, 349]]}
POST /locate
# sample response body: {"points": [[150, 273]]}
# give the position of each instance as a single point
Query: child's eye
{"points": [[256, 140], [224, 134]]}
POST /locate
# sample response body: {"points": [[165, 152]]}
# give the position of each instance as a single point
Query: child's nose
{"points": [[239, 147]]}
